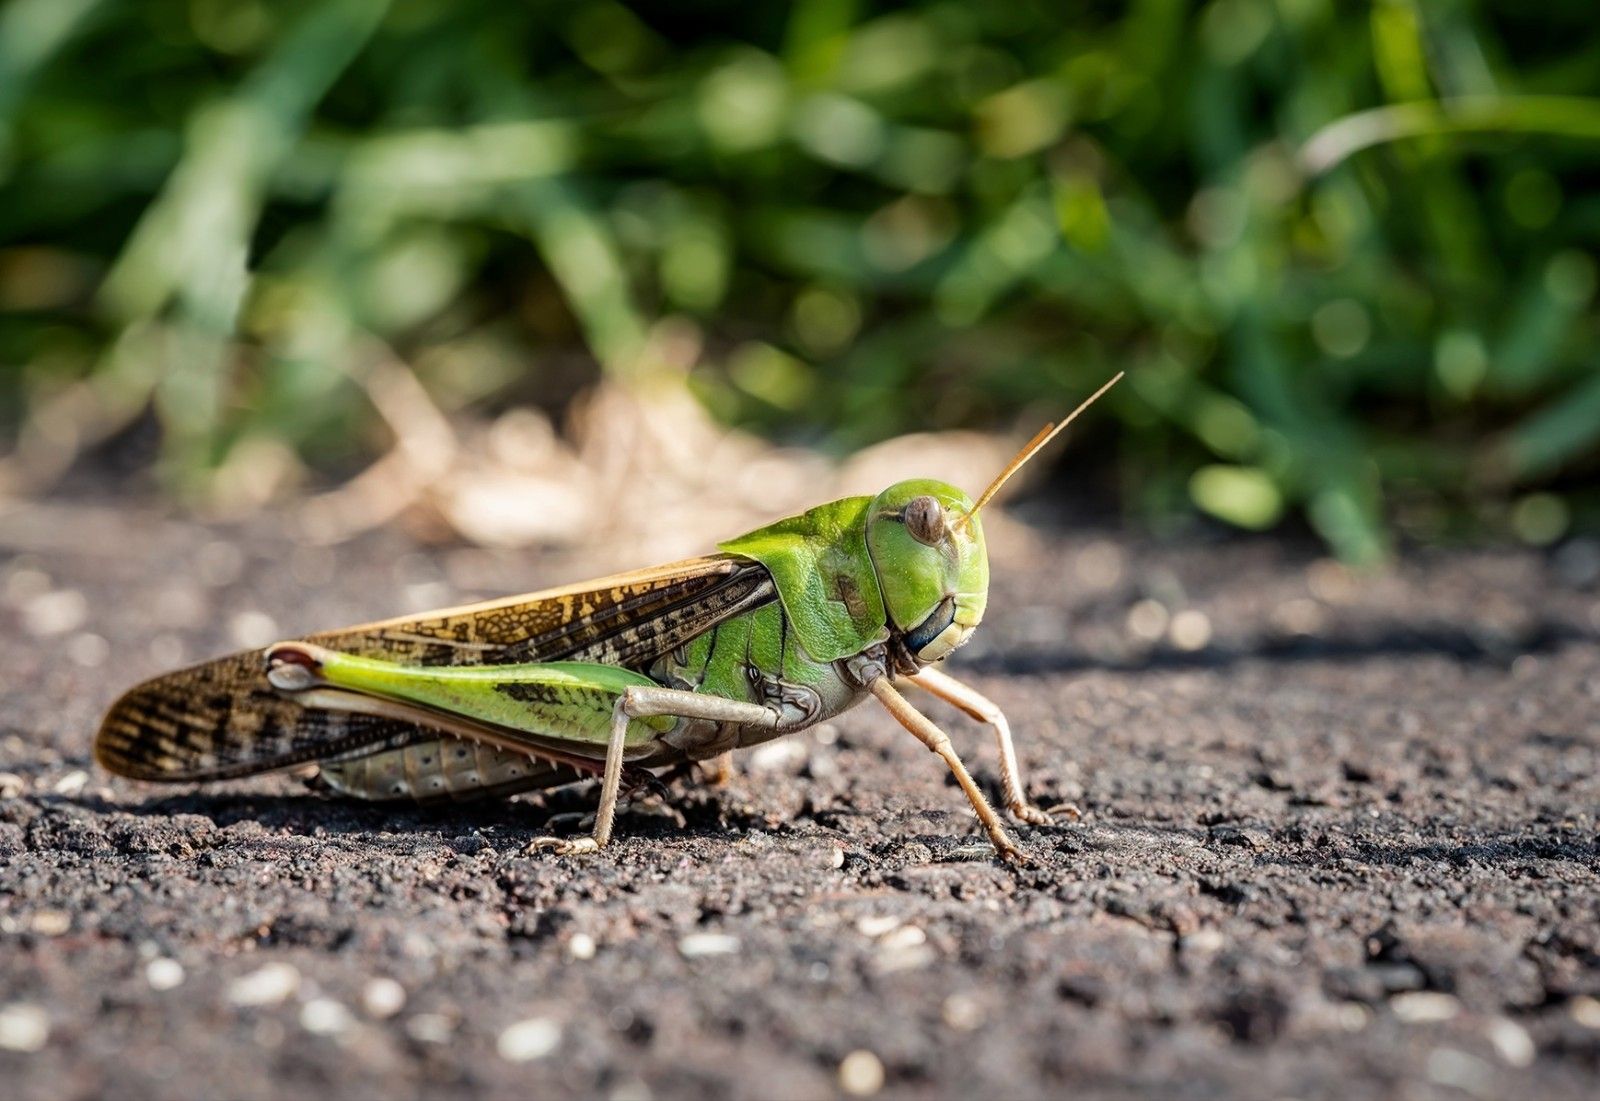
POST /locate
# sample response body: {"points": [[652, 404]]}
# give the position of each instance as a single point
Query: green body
{"points": [[850, 577]]}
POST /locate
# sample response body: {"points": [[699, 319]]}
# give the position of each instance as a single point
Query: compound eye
{"points": [[924, 519]]}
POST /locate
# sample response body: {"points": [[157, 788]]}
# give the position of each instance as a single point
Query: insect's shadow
{"points": [[686, 810]]}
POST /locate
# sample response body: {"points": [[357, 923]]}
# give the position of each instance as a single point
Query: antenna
{"points": [[1045, 435]]}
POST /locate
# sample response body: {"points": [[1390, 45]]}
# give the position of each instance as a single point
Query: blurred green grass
{"points": [[1346, 252]]}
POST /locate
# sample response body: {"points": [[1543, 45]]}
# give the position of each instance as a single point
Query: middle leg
{"points": [[640, 702]]}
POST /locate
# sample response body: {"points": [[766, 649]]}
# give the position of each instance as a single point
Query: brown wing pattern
{"points": [[221, 719]]}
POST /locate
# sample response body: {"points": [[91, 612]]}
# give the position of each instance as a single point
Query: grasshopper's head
{"points": [[927, 550]]}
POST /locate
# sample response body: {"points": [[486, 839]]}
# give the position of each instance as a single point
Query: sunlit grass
{"points": [[1344, 252]]}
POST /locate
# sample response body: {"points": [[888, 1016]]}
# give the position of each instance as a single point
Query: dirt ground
{"points": [[1340, 840]]}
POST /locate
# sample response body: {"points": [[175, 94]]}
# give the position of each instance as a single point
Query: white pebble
{"points": [[1147, 620], [581, 946], [382, 998], [51, 923], [1190, 630], [907, 936], [861, 1074], [1511, 1041], [1100, 564], [528, 1040], [696, 945], [783, 755], [88, 650], [55, 613], [1586, 1011], [252, 629], [23, 1027], [876, 925], [24, 583], [962, 1012], [324, 1017], [11, 785], [1423, 1007], [269, 985], [1203, 940], [71, 783], [163, 974]]}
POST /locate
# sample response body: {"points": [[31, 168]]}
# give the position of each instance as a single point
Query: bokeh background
{"points": [[252, 249]]}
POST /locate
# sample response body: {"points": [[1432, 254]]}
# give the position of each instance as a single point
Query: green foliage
{"points": [[1344, 251]]}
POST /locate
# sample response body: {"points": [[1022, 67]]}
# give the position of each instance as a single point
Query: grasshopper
{"points": [[787, 626]]}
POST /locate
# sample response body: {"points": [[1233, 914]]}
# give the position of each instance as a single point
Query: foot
{"points": [[1007, 848], [564, 846], [1034, 816]]}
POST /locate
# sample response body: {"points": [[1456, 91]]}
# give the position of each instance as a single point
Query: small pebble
{"points": [[1586, 1011], [876, 925], [962, 1012], [581, 946], [1203, 940], [382, 998], [88, 650], [861, 1074], [696, 945], [23, 1027], [1147, 620], [51, 923], [1511, 1042], [251, 629], [527, 1040], [1423, 1007], [55, 613], [1099, 564], [163, 974], [782, 755], [908, 955], [1190, 630], [71, 783], [324, 1017], [269, 985], [1353, 1016], [430, 1028], [831, 857], [906, 936], [11, 785], [22, 584]]}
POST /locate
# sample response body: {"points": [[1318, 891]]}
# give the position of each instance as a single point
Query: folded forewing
{"points": [[222, 719]]}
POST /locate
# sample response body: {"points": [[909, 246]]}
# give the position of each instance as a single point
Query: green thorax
{"points": [[820, 564]]}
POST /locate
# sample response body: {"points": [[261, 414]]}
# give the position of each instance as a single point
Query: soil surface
{"points": [[1339, 840]]}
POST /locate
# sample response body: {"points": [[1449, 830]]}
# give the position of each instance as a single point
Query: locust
{"points": [[783, 628]]}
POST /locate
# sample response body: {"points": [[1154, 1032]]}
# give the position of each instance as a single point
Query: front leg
{"points": [[639, 702], [983, 709], [936, 740]]}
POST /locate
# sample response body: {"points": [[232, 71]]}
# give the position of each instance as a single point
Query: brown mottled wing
{"points": [[221, 719]]}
